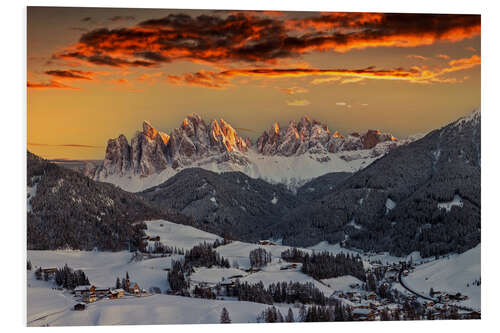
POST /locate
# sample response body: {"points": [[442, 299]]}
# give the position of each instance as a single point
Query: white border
{"points": [[13, 202]]}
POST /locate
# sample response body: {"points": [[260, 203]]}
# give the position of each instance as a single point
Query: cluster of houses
{"points": [[266, 242], [369, 306], [287, 267], [364, 305], [91, 293], [447, 297], [151, 239]]}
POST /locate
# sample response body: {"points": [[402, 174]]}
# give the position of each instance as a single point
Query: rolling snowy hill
{"points": [[451, 274]]}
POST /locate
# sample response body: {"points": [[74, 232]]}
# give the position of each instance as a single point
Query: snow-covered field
{"points": [[383, 257], [159, 309], [342, 282], [451, 275], [177, 235]]}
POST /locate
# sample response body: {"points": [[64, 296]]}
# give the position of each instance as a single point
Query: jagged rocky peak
{"points": [[195, 139], [152, 151], [117, 158], [151, 133], [312, 136]]}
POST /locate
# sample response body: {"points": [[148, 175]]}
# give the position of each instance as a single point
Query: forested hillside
{"points": [[69, 210]]}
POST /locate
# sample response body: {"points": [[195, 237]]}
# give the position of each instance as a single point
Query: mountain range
{"points": [[291, 155]]}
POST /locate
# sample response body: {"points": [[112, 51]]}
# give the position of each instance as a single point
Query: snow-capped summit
{"points": [[473, 118]]}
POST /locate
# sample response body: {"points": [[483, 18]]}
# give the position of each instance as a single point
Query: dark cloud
{"points": [[74, 145], [48, 85], [70, 74], [251, 38]]}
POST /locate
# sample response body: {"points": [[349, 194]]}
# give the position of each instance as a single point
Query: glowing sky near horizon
{"points": [[94, 73]]}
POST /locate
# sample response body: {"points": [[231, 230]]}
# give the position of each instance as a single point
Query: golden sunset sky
{"points": [[94, 73]]}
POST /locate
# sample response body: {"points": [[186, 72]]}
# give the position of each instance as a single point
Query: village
{"points": [[86, 294], [389, 298], [367, 305]]}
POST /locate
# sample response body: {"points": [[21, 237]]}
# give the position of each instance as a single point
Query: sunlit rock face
{"points": [[151, 151], [311, 136]]}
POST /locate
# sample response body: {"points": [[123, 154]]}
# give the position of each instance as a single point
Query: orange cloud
{"points": [[149, 77], [416, 56], [325, 80], [121, 81], [352, 80], [461, 64], [443, 56], [201, 78], [414, 74], [294, 90], [298, 102]]}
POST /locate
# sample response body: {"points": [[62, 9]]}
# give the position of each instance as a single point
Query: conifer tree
{"points": [[38, 273], [224, 317], [302, 313]]}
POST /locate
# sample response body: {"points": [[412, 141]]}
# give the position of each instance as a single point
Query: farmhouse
{"points": [[134, 288], [79, 307], [117, 293], [81, 290], [288, 267], [472, 315], [253, 270], [49, 270], [429, 304], [101, 291], [363, 314], [266, 242], [89, 298]]}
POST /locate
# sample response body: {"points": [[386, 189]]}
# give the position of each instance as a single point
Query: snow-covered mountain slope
{"points": [[395, 203], [292, 156], [276, 169], [451, 274]]}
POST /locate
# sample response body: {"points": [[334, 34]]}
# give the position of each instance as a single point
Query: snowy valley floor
{"points": [[49, 306]]}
